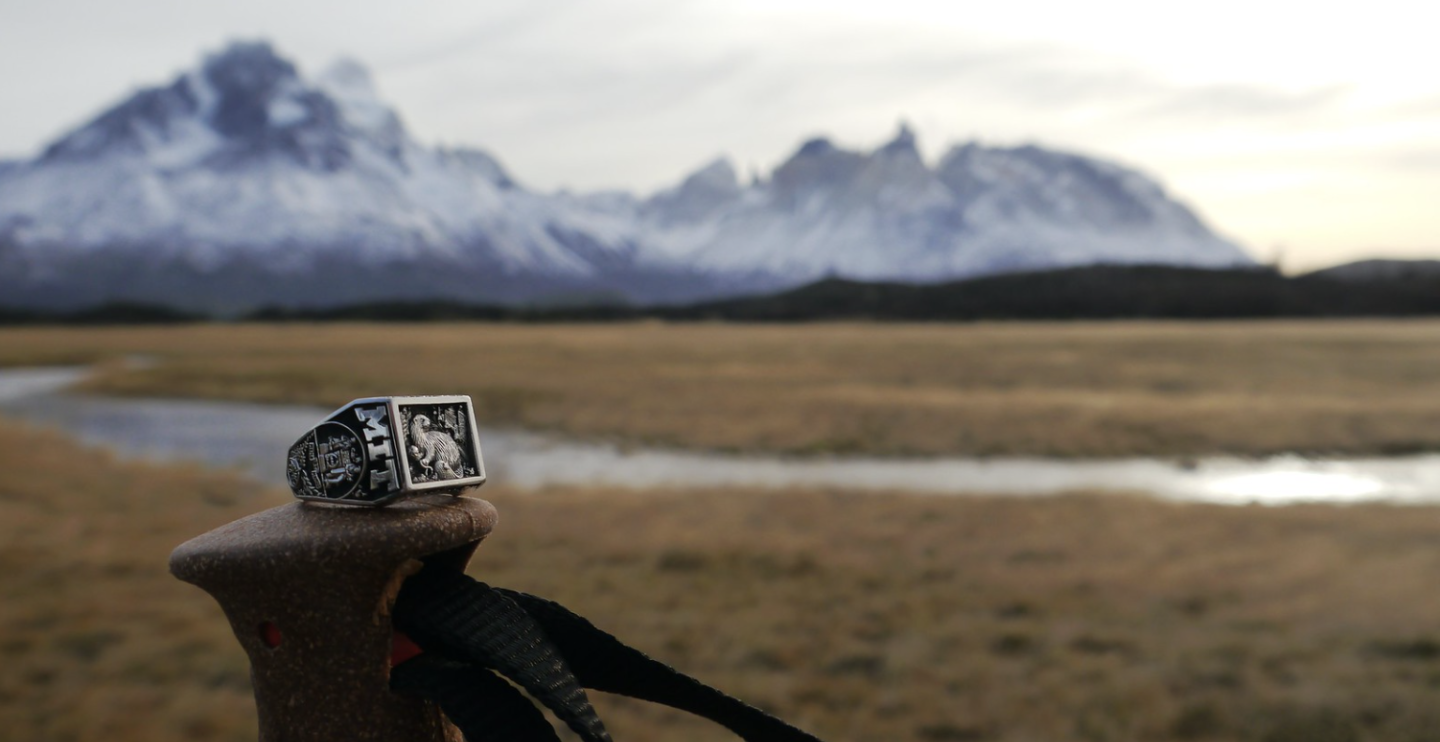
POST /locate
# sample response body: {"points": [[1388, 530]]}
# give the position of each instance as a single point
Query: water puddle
{"points": [[255, 437]]}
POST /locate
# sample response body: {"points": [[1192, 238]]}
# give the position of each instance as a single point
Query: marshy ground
{"points": [[876, 616], [858, 616], [1079, 389]]}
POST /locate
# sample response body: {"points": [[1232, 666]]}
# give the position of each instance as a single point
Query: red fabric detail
{"points": [[270, 634], [403, 648]]}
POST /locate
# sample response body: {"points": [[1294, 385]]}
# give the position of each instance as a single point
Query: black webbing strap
{"points": [[468, 621], [475, 699], [551, 653], [602, 662]]}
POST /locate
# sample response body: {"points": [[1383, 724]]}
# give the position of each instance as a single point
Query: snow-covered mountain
{"points": [[244, 183]]}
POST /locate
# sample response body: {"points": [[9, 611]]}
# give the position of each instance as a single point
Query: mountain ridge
{"points": [[243, 182]]}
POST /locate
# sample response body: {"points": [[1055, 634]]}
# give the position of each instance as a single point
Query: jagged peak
{"points": [[481, 163], [701, 193], [130, 125], [251, 101], [1036, 179], [247, 68], [815, 146], [349, 76], [719, 171], [254, 91], [902, 143], [818, 164], [351, 86]]}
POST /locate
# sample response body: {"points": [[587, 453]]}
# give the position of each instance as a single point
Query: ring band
{"points": [[378, 450]]}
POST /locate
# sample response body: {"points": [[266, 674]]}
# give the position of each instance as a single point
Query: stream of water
{"points": [[254, 438]]}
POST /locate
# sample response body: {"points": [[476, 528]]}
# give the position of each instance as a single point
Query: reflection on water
{"points": [[1295, 483], [255, 438], [19, 384]]}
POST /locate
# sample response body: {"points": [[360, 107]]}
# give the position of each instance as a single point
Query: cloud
{"points": [[1418, 160], [1248, 102], [1422, 107]]}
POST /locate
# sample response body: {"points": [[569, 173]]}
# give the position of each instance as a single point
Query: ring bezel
{"points": [[407, 445]]}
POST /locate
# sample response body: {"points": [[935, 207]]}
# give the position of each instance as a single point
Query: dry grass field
{"points": [[863, 618], [97, 641], [1099, 389]]}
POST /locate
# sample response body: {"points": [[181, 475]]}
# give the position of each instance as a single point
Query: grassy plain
{"points": [[1075, 389], [883, 617], [1091, 617]]}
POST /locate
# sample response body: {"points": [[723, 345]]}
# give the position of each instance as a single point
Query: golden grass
{"points": [[97, 641], [860, 617], [987, 389], [875, 617]]}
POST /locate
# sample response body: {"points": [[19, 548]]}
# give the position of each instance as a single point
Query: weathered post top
{"points": [[308, 589]]}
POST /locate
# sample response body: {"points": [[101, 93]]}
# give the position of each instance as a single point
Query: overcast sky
{"points": [[1312, 128]]}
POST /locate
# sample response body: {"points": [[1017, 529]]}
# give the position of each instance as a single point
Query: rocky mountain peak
{"points": [[264, 109], [246, 79], [349, 85], [903, 142], [478, 163], [1036, 183], [815, 147], [893, 176], [145, 119], [349, 78], [242, 105], [701, 194], [817, 167]]}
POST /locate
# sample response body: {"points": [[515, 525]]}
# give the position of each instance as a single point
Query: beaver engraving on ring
{"points": [[437, 442]]}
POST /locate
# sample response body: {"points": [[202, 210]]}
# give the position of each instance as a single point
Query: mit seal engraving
{"points": [[326, 463]]}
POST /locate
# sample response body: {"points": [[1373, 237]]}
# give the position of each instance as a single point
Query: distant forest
{"points": [[1088, 293]]}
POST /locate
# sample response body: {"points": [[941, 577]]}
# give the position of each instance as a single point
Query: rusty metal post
{"points": [[308, 589]]}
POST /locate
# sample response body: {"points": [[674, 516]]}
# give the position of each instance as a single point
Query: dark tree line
{"points": [[1094, 292]]}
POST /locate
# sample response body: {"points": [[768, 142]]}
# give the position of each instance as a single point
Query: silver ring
{"points": [[378, 450]]}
